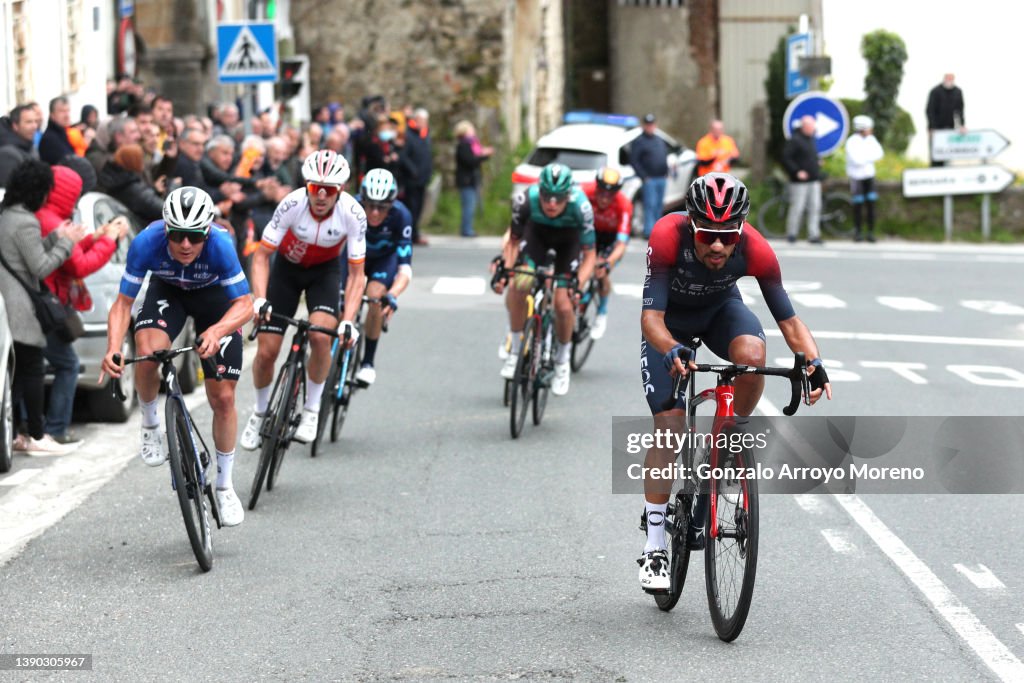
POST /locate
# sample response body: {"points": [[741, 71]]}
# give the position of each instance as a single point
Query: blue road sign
{"points": [[832, 123], [126, 8], [797, 45], [246, 52]]}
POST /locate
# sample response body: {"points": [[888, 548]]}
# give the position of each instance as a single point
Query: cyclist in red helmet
{"points": [[613, 214]]}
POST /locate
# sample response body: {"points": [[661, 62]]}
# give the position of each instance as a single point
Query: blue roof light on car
{"points": [[589, 116]]}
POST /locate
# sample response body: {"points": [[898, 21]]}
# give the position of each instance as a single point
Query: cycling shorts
{"points": [[381, 269], [605, 243], [537, 240], [167, 307], [289, 280], [715, 326]]}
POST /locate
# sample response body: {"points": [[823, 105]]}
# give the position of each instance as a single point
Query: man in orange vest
{"points": [[716, 151]]}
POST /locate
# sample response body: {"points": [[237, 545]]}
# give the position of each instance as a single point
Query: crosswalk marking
{"points": [[907, 303], [625, 289], [838, 540], [810, 503], [464, 286], [818, 300], [20, 477], [981, 576], [993, 307]]}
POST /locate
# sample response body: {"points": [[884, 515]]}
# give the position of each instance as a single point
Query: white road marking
{"points": [[20, 477], [907, 303], [810, 502], [839, 542], [904, 370], [463, 286], [1020, 627], [892, 256], [800, 286], [910, 338], [625, 289], [818, 300], [993, 307], [836, 373], [981, 576], [1005, 377], [990, 649]]}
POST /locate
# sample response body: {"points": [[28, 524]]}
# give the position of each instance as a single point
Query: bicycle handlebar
{"points": [[502, 273], [303, 324], [161, 356]]}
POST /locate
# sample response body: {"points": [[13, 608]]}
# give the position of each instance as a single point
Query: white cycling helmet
{"points": [[862, 122], [379, 186], [325, 167], [188, 208]]}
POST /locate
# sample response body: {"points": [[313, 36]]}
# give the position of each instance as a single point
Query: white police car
{"points": [[588, 140]]}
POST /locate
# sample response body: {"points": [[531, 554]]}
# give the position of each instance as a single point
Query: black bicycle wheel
{"points": [[296, 397], [545, 372], [272, 429], [771, 218], [837, 214], [328, 398], [508, 393], [341, 406], [730, 557], [187, 474], [522, 383], [582, 342], [677, 521]]}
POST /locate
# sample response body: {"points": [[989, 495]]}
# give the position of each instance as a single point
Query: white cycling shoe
{"points": [[560, 383], [231, 512], [508, 370], [366, 375], [250, 440], [154, 451], [654, 571], [306, 430], [600, 325], [503, 348]]}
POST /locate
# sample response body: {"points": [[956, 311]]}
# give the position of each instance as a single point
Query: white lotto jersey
{"points": [[302, 239]]}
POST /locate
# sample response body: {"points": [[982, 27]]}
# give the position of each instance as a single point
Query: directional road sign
{"points": [[797, 45], [974, 144], [832, 123], [246, 53], [950, 180]]}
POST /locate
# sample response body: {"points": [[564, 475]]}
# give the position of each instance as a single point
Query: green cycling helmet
{"points": [[556, 179]]}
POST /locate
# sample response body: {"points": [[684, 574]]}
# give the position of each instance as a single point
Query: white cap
{"points": [[862, 122]]}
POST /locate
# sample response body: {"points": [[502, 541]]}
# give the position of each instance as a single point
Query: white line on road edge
{"points": [[982, 577], [839, 542], [1020, 627], [990, 649], [626, 289], [907, 303], [20, 477], [911, 338], [466, 286]]}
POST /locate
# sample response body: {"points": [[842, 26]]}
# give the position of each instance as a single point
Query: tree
{"points": [[775, 90], [885, 53]]}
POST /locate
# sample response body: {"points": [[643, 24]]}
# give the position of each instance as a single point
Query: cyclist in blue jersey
{"points": [[388, 258], [194, 271], [553, 214]]}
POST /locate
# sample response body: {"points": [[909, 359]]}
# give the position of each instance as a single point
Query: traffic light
{"points": [[294, 73]]}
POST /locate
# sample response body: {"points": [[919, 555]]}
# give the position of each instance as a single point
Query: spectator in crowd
{"points": [[276, 164], [151, 155], [469, 154], [163, 114], [191, 146], [945, 110], [37, 108], [800, 159], [379, 150], [17, 131], [27, 258], [228, 122], [118, 132], [322, 117], [268, 123], [123, 179], [216, 167], [421, 159], [649, 157], [261, 196], [67, 283], [55, 144], [315, 134], [716, 151], [81, 134], [90, 116], [122, 95], [862, 151]]}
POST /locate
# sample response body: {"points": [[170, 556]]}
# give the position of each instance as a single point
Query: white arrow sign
{"points": [[933, 182], [825, 125], [975, 144]]}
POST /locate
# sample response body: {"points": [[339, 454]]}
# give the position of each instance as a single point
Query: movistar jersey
{"points": [[217, 264], [392, 236]]}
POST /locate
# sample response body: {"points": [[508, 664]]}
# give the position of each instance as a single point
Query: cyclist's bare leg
{"points": [[221, 396], [147, 375], [606, 285], [657, 490], [268, 346], [747, 349], [515, 302], [320, 347], [374, 317], [565, 316]]}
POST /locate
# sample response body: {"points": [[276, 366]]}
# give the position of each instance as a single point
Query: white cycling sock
{"points": [[150, 414], [655, 526], [517, 342], [225, 461], [262, 399], [314, 391], [562, 352]]}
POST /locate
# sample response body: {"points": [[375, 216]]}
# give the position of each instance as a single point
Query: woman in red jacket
{"points": [[88, 256]]}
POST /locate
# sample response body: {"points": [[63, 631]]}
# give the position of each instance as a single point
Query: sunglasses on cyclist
{"points": [[726, 234], [382, 207], [178, 236], [549, 198], [328, 190]]}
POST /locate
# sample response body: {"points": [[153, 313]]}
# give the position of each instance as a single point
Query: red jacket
{"points": [[88, 256]]}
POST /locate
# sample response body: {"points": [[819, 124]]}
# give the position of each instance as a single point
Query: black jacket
{"points": [[801, 154], [14, 149], [131, 190], [467, 164], [190, 175], [418, 163], [648, 155], [54, 144], [945, 108]]}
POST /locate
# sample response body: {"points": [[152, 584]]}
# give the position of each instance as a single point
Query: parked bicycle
{"points": [[188, 454], [836, 212], [726, 509], [284, 410]]}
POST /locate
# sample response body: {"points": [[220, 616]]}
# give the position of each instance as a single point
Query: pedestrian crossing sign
{"points": [[246, 52]]}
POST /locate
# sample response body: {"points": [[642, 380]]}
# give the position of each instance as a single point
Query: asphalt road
{"points": [[428, 545]]}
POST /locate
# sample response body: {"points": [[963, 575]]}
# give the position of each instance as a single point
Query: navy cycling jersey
{"points": [[676, 280], [392, 236], [217, 264]]}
